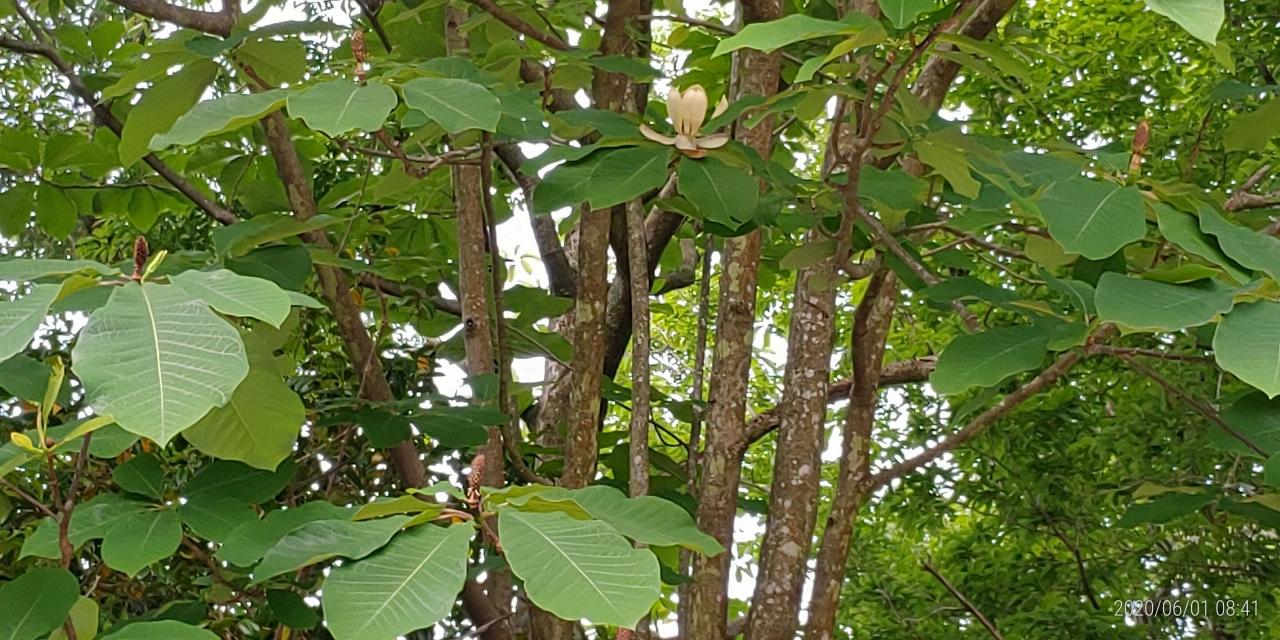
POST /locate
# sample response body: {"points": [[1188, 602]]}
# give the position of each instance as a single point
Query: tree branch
{"points": [[1185, 397], [104, 115], [560, 273], [963, 600], [988, 417], [511, 20], [220, 23]]}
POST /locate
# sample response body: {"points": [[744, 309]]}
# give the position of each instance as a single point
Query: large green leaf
{"points": [[277, 62], [238, 481], [27, 269], [457, 105], [215, 517], [1164, 509], [1183, 230], [84, 619], [36, 602], [17, 203], [236, 295], [20, 318], [318, 541], [339, 106], [604, 178], [1255, 417], [1201, 18], [1251, 249], [161, 630], [56, 213], [157, 360], [984, 359], [243, 236], [1143, 305], [768, 36], [1093, 218], [904, 12], [579, 568], [410, 584], [1247, 344], [1252, 131], [650, 520], [249, 542], [723, 194], [140, 539], [91, 520], [143, 475], [261, 422], [161, 106], [218, 116]]}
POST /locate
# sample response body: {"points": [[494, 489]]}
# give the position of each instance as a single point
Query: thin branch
{"points": [[891, 374], [891, 243], [963, 600], [104, 115], [1195, 404], [560, 272], [26, 496], [64, 541], [509, 431], [988, 417], [511, 20], [1150, 353]]}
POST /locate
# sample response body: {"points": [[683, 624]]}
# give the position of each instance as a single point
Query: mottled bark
{"points": [[612, 92], [731, 364], [639, 265], [474, 285], [870, 329], [797, 469]]}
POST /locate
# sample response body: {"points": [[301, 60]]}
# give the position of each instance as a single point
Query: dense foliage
{"points": [[964, 316]]}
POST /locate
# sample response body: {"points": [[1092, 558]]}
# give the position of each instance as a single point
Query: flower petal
{"points": [[655, 136], [713, 141], [686, 143], [721, 107], [693, 110]]}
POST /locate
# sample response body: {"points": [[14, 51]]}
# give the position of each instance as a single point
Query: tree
{"points": [[1020, 261]]}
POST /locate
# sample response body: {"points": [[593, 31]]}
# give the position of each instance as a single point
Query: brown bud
{"points": [[140, 255], [1141, 137], [476, 479], [624, 634], [358, 48], [360, 52]]}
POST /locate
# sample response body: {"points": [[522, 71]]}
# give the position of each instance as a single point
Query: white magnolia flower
{"points": [[687, 112]]}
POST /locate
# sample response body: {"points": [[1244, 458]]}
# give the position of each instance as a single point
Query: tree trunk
{"points": [[870, 329], [731, 364], [473, 297], [793, 497]]}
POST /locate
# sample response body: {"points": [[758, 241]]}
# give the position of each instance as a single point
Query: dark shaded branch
{"points": [[934, 81], [560, 273], [220, 23], [511, 20], [688, 271], [891, 374], [104, 115], [987, 418], [1195, 404], [963, 600]]}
